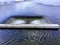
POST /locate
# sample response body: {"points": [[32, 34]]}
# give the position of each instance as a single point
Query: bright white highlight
{"points": [[18, 22], [36, 22]]}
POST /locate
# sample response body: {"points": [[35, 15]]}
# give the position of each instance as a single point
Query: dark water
{"points": [[29, 37], [24, 37]]}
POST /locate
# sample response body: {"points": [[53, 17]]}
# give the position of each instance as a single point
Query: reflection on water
{"points": [[28, 37]]}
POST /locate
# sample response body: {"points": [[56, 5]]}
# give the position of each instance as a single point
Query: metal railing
{"points": [[41, 26]]}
